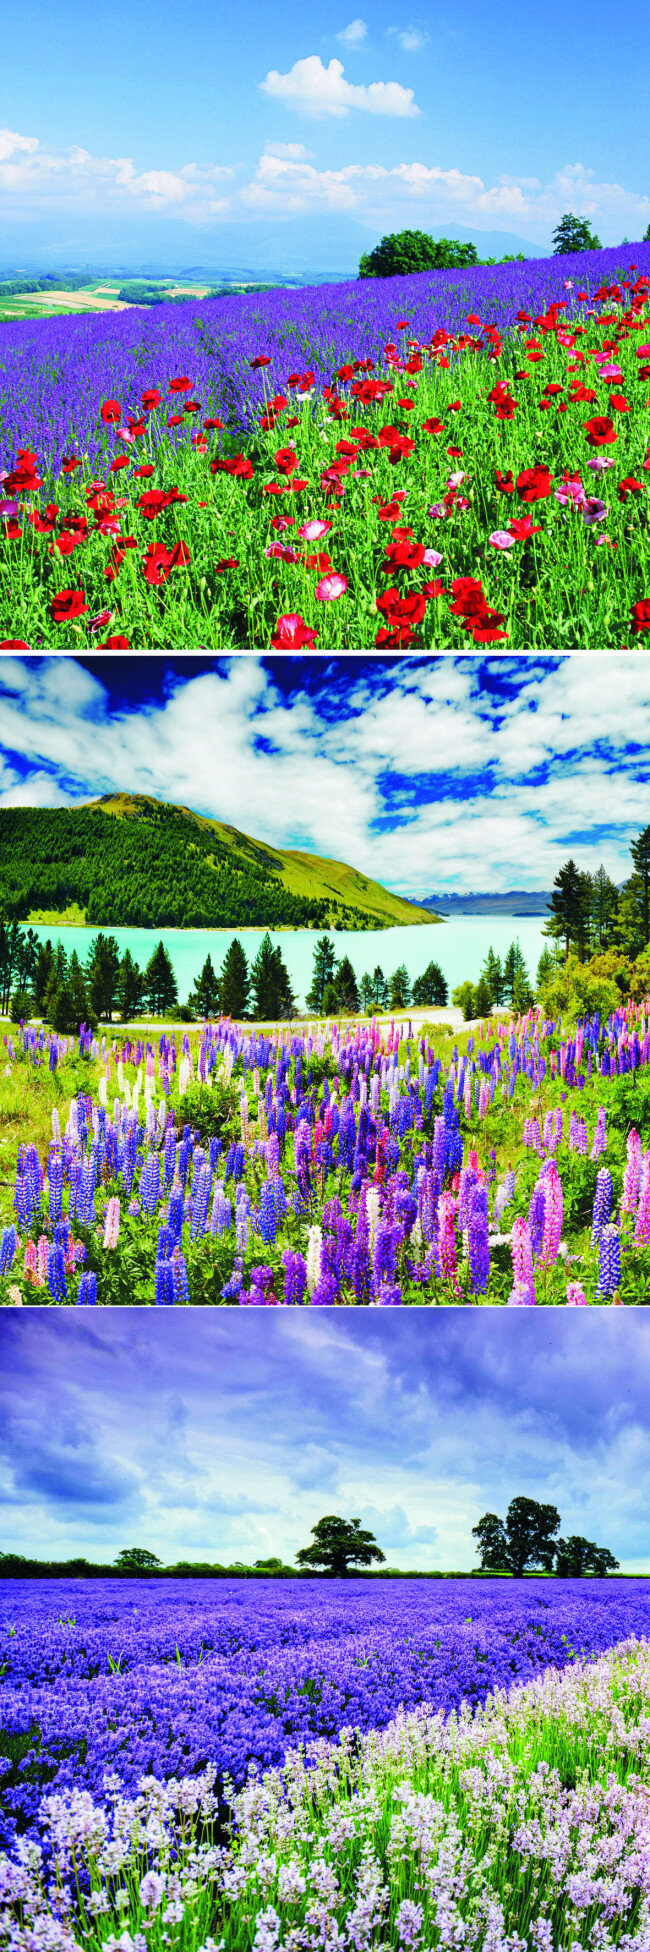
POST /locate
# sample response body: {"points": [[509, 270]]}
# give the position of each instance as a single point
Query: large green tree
{"points": [[347, 988], [271, 991], [405, 251], [399, 989], [430, 988], [103, 975], [235, 981], [338, 1544], [575, 1557], [568, 920], [574, 234], [204, 997], [131, 983], [136, 1558], [526, 1537], [160, 982], [323, 973]]}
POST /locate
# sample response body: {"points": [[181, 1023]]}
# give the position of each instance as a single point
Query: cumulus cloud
{"points": [[411, 39], [35, 173], [317, 91], [421, 773]]}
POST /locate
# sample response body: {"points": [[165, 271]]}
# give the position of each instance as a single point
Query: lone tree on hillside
{"points": [[406, 251], [136, 1558], [574, 234], [338, 1544]]}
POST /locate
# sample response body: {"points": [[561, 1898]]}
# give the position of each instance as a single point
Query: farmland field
{"points": [[475, 1761], [329, 1164], [444, 460]]}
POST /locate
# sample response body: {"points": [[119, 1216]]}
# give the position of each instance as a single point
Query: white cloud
{"points": [[290, 152], [556, 754], [317, 91], [411, 39], [35, 175], [353, 34]]}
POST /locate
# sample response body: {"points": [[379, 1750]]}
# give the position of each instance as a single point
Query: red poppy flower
{"points": [[402, 609], [144, 473], [261, 360], [433, 427], [43, 524], [629, 487], [181, 385], [13, 644], [12, 529], [535, 484], [600, 432], [618, 403], [238, 466], [641, 614], [433, 589], [115, 644], [291, 633], [521, 527], [150, 399], [111, 412], [69, 463], [121, 461], [286, 460], [67, 604], [394, 637], [213, 422], [402, 555], [504, 482], [227, 562]]}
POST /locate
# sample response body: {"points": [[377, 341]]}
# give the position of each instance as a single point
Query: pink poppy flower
{"points": [[500, 539], [283, 552], [311, 531], [432, 557], [331, 587], [599, 462]]}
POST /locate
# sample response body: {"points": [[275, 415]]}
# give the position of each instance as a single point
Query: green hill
{"points": [[129, 860]]}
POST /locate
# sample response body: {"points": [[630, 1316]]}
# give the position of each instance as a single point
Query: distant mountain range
{"points": [[309, 248], [515, 901]]}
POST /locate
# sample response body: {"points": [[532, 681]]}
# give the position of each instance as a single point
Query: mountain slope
{"points": [[130, 860]]}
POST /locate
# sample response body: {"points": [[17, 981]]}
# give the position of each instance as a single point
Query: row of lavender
{"points": [[132, 1679], [53, 372], [333, 1167]]}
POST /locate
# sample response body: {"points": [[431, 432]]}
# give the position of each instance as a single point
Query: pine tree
{"points": [[130, 988], [270, 984], [102, 974], [204, 997], [379, 989], [545, 968], [322, 974], [430, 988], [640, 852], [160, 982], [82, 1009], [399, 990], [346, 987], [234, 982], [493, 974], [367, 993], [567, 907]]}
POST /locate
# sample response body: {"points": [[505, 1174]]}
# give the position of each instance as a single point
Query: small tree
{"points": [[399, 989], [338, 1544], [482, 998], [346, 986], [574, 234], [130, 987], [322, 974], [430, 988], [330, 1004], [493, 973], [160, 982], [463, 999], [102, 974], [379, 989], [270, 983], [235, 981], [204, 997], [367, 993], [136, 1558]]}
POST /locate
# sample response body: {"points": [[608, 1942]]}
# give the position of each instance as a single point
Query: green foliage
{"points": [[136, 1558], [399, 989], [346, 986], [160, 981], [271, 992], [154, 868], [338, 1544], [403, 252], [323, 973], [204, 998], [430, 988], [576, 989], [235, 981], [574, 234]]}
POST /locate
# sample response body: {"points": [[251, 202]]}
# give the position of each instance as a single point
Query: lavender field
{"points": [[178, 477], [164, 1677], [475, 1766]]}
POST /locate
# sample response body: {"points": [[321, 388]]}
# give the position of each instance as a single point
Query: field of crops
{"points": [[443, 460], [495, 1793], [335, 1166]]}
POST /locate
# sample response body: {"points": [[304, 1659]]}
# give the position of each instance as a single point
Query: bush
{"points": [[577, 990]]}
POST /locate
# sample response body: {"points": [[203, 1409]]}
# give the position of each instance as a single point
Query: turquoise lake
{"points": [[459, 946]]}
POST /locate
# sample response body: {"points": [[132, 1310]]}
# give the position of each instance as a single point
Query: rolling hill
{"points": [[130, 860]]}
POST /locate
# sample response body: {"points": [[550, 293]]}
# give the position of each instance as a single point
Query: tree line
{"points": [[525, 1541], [406, 251]]}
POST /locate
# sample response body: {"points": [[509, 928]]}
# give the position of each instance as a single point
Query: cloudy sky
{"points": [[226, 1436], [427, 774], [387, 117]]}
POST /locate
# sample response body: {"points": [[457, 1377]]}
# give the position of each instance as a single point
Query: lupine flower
{"points": [[112, 1223], [610, 1261]]}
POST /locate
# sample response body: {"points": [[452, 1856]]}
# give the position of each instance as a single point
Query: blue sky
{"points": [[204, 1433], [427, 774], [211, 123]]}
